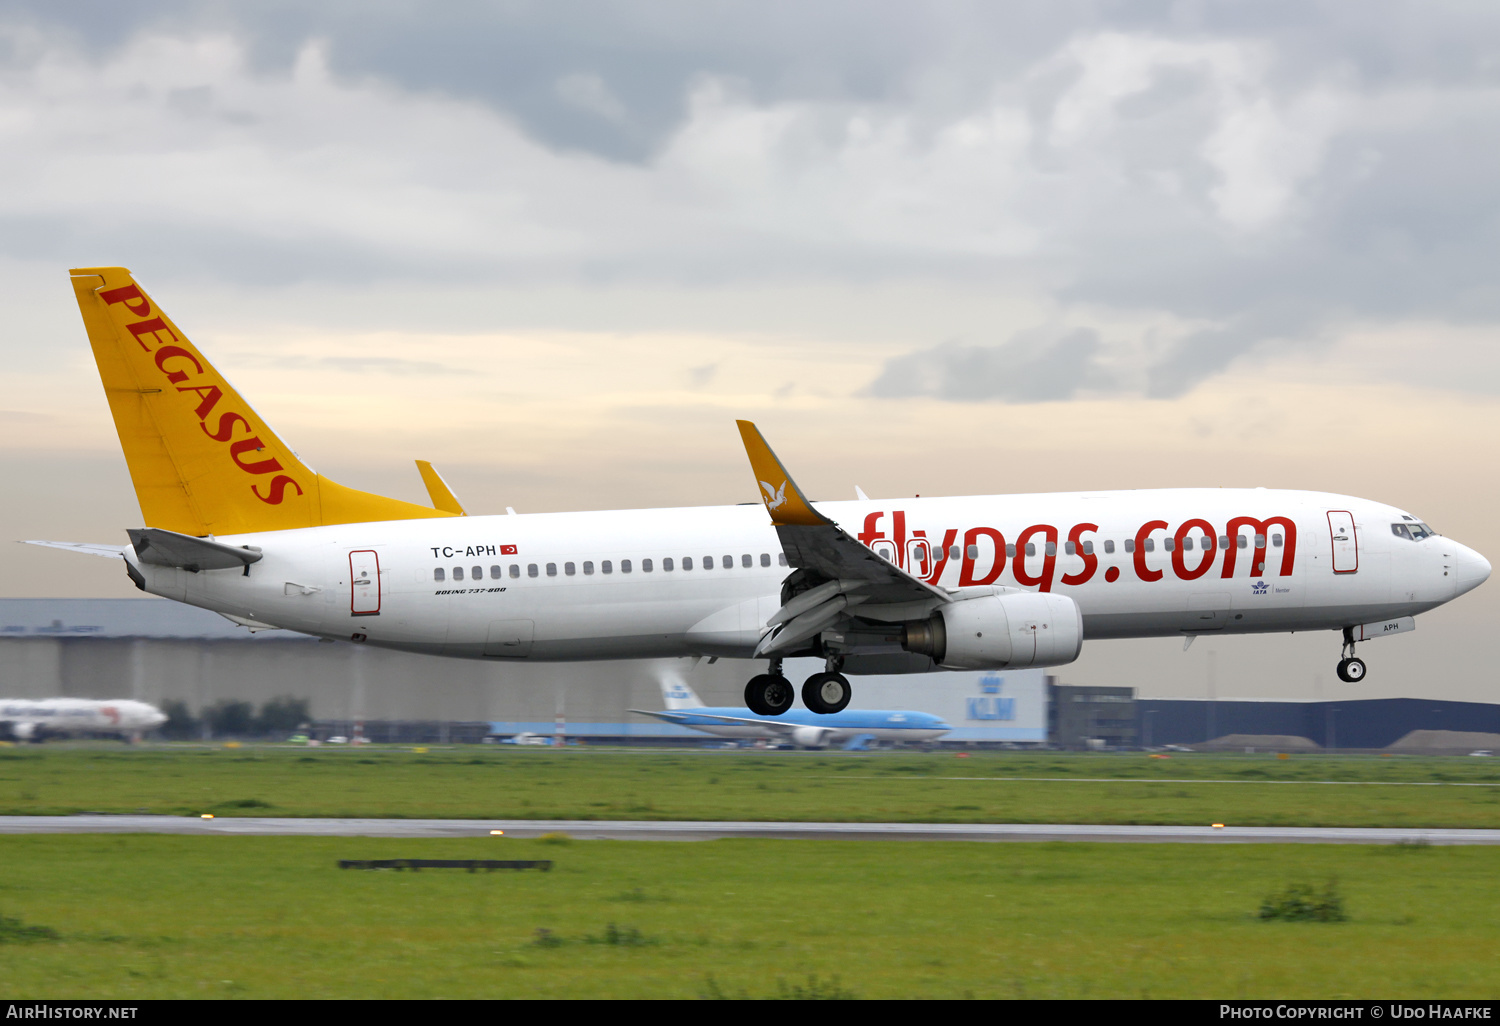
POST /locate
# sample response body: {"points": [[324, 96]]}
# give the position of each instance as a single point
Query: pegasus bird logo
{"points": [[775, 497]]}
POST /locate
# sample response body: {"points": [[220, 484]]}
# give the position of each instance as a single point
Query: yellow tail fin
{"points": [[202, 460]]}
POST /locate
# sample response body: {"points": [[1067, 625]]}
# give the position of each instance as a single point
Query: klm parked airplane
{"points": [[802, 727]]}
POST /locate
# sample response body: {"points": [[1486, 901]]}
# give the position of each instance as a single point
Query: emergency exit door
{"points": [[1345, 541], [364, 583]]}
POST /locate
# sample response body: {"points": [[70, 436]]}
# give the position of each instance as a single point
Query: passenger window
{"points": [[588, 568], [728, 563], [708, 562], [530, 569], [476, 573], [1276, 540], [953, 552], [1260, 541], [781, 558], [972, 552], [458, 573], [1169, 544], [1187, 544], [570, 569], [746, 561], [624, 566], [1240, 541], [1031, 548], [515, 570], [666, 565], [1070, 549], [1150, 544], [1109, 546], [496, 573], [765, 559], [1052, 548], [1010, 551], [551, 569], [1129, 544], [438, 574], [1088, 548], [607, 567], [645, 566], [1223, 541], [687, 562]]}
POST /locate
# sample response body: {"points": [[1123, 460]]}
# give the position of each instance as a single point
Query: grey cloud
{"points": [[1395, 218], [1034, 366]]}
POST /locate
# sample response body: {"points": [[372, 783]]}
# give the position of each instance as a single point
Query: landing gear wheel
{"points": [[1351, 670], [826, 692], [769, 694]]}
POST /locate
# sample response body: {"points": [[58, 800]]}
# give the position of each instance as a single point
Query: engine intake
{"points": [[993, 632]]}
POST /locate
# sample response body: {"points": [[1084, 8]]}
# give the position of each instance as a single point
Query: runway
{"points": [[679, 830]]}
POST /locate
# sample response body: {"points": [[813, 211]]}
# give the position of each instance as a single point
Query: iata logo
{"points": [[775, 497], [1259, 588]]}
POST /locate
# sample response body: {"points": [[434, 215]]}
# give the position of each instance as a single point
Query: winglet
{"points": [[784, 500], [442, 496]]}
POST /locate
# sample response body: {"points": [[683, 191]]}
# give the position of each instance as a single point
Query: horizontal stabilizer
{"points": [[255, 626], [168, 548], [87, 548]]}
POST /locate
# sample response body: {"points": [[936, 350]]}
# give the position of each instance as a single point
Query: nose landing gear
{"points": [[1351, 668], [769, 694]]}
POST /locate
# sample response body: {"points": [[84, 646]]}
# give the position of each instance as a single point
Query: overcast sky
{"points": [[940, 248]]}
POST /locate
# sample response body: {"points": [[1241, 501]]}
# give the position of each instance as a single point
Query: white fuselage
{"points": [[536, 586], [33, 717]]}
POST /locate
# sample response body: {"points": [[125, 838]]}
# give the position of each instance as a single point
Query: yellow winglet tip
{"points": [[783, 499], [437, 489]]}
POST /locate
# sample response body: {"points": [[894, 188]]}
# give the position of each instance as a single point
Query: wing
{"points": [[838, 571], [775, 726]]}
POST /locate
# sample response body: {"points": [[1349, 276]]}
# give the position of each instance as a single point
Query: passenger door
{"points": [[364, 583], [1345, 541]]}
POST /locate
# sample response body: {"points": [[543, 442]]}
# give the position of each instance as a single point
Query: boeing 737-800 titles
{"points": [[237, 523]]}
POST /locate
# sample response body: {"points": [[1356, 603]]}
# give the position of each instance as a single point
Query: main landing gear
{"points": [[829, 691], [771, 694], [1351, 668]]}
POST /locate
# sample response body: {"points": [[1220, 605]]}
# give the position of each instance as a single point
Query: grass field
{"points": [[695, 784], [264, 917]]}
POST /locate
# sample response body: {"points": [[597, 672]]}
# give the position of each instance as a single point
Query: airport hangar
{"points": [[158, 651]]}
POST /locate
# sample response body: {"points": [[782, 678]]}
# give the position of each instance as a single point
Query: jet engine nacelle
{"points": [[998, 631], [811, 737], [23, 731]]}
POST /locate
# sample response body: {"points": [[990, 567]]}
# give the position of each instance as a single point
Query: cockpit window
{"points": [[1413, 531]]}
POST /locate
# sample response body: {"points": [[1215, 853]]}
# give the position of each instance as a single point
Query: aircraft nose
{"points": [[1470, 570]]}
